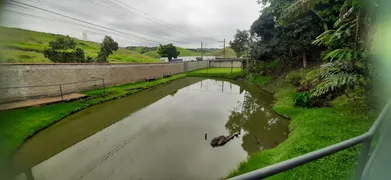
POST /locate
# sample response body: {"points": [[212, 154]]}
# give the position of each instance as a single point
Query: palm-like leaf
{"points": [[298, 8]]}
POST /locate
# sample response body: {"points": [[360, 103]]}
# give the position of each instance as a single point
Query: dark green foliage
{"points": [[108, 47], [287, 40], [265, 68], [63, 43], [294, 79], [168, 51], [303, 99], [63, 50], [240, 44]]}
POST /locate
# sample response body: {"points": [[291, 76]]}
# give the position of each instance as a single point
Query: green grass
{"points": [[152, 54], [19, 45], [182, 51], [124, 55], [259, 80], [19, 56], [229, 53], [311, 129], [217, 72]]}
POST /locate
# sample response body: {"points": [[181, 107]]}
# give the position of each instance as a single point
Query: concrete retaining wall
{"points": [[52, 75], [225, 64]]}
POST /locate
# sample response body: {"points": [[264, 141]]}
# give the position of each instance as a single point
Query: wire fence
{"points": [[19, 93]]}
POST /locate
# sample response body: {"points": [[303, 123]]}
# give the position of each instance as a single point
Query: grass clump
{"points": [[259, 80]]}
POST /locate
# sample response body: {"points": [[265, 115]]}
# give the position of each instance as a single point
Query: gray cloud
{"points": [[206, 19]]}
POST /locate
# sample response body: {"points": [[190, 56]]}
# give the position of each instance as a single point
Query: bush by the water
{"points": [[303, 99]]}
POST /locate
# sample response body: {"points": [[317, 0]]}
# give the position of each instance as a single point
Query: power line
{"points": [[83, 21], [57, 20], [62, 7], [160, 21]]}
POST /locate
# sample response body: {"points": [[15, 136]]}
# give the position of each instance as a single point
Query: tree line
{"points": [[334, 33], [63, 50]]}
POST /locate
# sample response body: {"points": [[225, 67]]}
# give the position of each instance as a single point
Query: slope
{"points": [[25, 46]]}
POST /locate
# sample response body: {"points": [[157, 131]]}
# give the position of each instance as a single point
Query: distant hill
{"points": [[152, 51], [229, 53], [19, 45], [25, 46]]}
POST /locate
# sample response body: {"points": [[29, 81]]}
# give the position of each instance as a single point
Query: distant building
{"points": [[176, 60]]}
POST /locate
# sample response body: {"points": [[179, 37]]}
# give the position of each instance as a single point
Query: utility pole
{"points": [[85, 36], [202, 53], [223, 46]]}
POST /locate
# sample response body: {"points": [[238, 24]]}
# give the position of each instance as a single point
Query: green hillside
{"points": [[183, 52], [19, 45], [229, 53]]}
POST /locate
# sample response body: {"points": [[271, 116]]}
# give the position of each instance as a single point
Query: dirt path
{"points": [[40, 101]]}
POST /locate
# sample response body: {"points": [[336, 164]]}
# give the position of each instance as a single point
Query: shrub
{"points": [[63, 49], [293, 78], [259, 79], [303, 100]]}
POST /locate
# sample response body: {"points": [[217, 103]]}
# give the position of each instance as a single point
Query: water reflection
{"points": [[255, 118]]}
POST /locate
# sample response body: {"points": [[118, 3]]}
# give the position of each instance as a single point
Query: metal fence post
{"points": [[363, 158], [231, 66], [103, 85], [207, 68], [62, 98]]}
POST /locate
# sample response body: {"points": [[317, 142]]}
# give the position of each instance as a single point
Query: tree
{"points": [[108, 46], [63, 49], [240, 44], [349, 67], [168, 51], [289, 39]]}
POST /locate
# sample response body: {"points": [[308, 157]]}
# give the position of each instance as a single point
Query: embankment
{"points": [[311, 129]]}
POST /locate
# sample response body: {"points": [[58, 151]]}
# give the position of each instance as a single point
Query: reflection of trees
{"points": [[242, 113], [173, 93], [257, 122]]}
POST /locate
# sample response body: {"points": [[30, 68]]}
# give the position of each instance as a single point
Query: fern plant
{"points": [[339, 76]]}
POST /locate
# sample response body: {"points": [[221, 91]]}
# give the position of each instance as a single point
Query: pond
{"points": [[157, 134]]}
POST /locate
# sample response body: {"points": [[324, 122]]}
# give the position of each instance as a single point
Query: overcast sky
{"points": [[184, 23]]}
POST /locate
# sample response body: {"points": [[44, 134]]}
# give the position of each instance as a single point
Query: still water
{"points": [[156, 134]]}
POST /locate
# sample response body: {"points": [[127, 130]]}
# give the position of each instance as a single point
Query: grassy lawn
{"points": [[312, 129], [217, 72]]}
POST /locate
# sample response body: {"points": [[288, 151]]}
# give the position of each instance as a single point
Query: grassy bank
{"points": [[217, 72], [311, 129]]}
